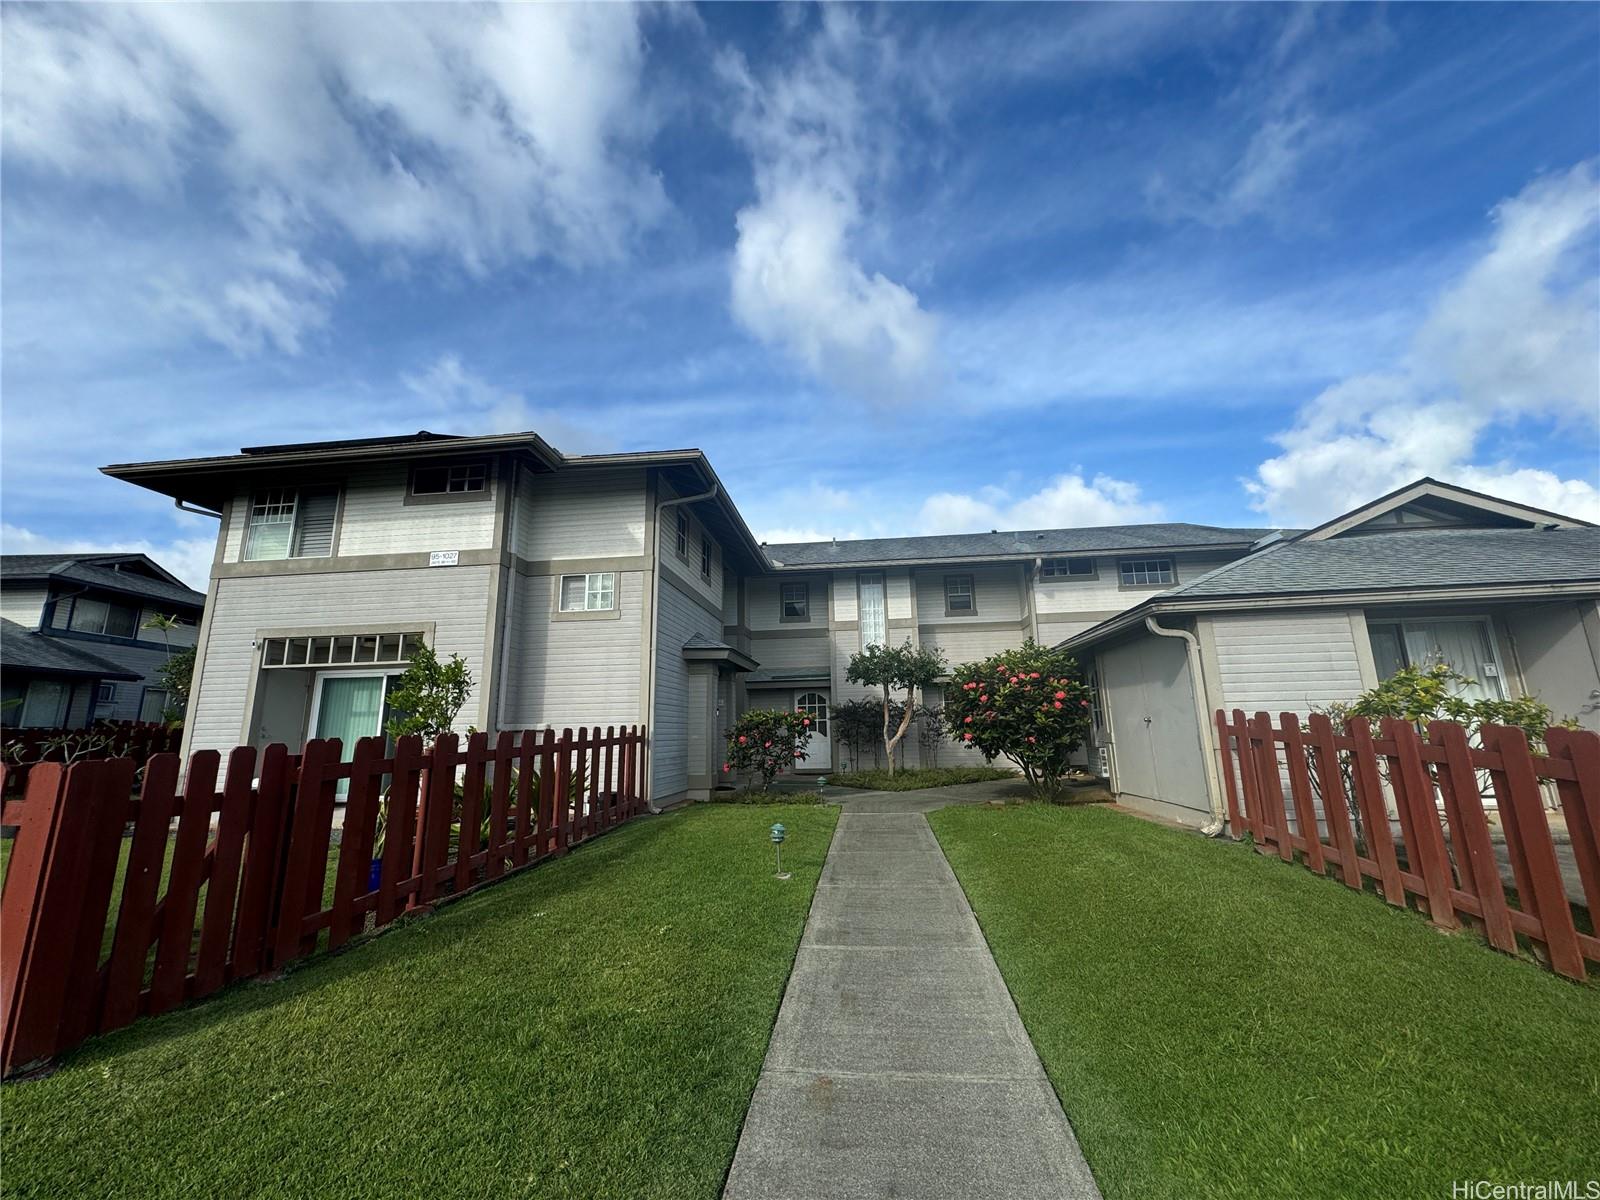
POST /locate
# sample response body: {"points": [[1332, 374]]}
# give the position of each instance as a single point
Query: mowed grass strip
{"points": [[593, 1027], [912, 779], [1218, 1023]]}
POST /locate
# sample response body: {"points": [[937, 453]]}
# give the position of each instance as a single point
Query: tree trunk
{"points": [[905, 723]]}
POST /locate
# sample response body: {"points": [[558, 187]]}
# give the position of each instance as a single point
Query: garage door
{"points": [[1154, 733]]}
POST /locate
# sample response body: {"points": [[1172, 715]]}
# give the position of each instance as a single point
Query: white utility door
{"points": [[819, 754]]}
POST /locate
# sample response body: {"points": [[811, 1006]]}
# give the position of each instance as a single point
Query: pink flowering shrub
{"points": [[1028, 705], [767, 741]]}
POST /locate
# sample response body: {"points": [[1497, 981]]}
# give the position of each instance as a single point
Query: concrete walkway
{"points": [[899, 1066]]}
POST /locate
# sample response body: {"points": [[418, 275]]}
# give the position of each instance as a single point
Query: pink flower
{"points": [[1083, 703], [1013, 679], [1031, 741], [726, 767], [966, 737], [966, 720], [1058, 704], [799, 754], [743, 739], [983, 699], [1035, 675], [1061, 695], [766, 745]]}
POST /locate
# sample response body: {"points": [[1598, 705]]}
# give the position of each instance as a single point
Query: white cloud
{"points": [[468, 403], [817, 140], [1513, 338], [481, 135], [187, 558], [1068, 501]]}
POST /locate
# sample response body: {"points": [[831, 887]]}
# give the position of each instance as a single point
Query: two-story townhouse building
{"points": [[77, 639], [592, 589]]}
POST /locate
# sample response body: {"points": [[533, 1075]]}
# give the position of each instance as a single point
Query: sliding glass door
{"points": [[348, 706]]}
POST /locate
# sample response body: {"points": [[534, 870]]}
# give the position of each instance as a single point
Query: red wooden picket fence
{"points": [[1445, 858], [252, 880], [20, 749]]}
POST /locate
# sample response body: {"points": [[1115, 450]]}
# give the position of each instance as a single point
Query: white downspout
{"points": [[655, 620], [1207, 751]]}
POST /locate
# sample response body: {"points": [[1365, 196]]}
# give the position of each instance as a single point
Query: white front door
{"points": [[819, 754]]}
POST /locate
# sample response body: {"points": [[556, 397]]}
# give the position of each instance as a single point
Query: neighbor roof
{"points": [[1021, 544], [26, 650], [99, 571], [1419, 560]]}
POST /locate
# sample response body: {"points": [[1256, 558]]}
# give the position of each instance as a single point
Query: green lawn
{"points": [[912, 779], [593, 1027], [1222, 1024]]}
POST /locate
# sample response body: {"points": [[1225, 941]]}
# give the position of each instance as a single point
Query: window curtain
{"points": [[874, 618], [349, 710], [1464, 645]]}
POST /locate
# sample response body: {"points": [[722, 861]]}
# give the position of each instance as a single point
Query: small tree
{"points": [[176, 675], [896, 668], [427, 698], [767, 741], [857, 724], [1028, 705]]}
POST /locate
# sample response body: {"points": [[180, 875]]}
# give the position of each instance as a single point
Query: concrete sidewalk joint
{"points": [[898, 1066]]}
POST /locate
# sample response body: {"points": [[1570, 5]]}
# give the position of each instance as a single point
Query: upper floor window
{"points": [[1067, 568], [290, 523], [594, 592], [103, 616], [1140, 572], [106, 693], [683, 534], [874, 611], [450, 479], [958, 597], [796, 601], [705, 556]]}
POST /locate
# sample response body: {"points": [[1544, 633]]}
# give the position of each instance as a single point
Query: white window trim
{"points": [[1492, 637], [1064, 576], [971, 582], [588, 590], [293, 523], [1171, 570]]}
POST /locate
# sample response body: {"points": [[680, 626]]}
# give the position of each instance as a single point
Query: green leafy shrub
{"points": [[766, 741], [1027, 705], [427, 698]]}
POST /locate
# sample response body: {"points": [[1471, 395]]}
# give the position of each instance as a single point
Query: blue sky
{"points": [[901, 269]]}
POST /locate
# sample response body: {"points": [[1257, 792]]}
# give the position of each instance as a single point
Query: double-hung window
{"points": [[796, 601], [291, 523], [105, 617], [958, 595], [1143, 572], [593, 592], [1067, 568]]}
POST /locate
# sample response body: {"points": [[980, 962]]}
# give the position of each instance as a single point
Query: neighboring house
{"points": [[74, 644], [1506, 594], [592, 589]]}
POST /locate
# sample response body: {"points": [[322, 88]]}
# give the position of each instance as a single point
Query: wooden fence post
{"points": [[1426, 853], [1477, 848], [1294, 756], [1368, 784], [1580, 803], [1335, 810]]}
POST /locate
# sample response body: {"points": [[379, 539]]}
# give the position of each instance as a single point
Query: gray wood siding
{"points": [[454, 600], [998, 591], [568, 673], [580, 514], [1105, 593], [1558, 648], [24, 605], [1287, 661], [679, 618]]}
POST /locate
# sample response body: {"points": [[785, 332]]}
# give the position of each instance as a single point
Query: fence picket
{"points": [[504, 748], [227, 849], [1374, 812], [400, 825], [1427, 853], [1270, 780], [298, 869], [355, 841], [184, 878], [1294, 753], [1334, 811], [1225, 763], [1548, 901], [1580, 804], [265, 850], [130, 947], [1486, 881], [1254, 806], [104, 789]]}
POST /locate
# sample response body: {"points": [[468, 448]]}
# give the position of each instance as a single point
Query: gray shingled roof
{"points": [[26, 650], [1017, 544], [1396, 561], [94, 570]]}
